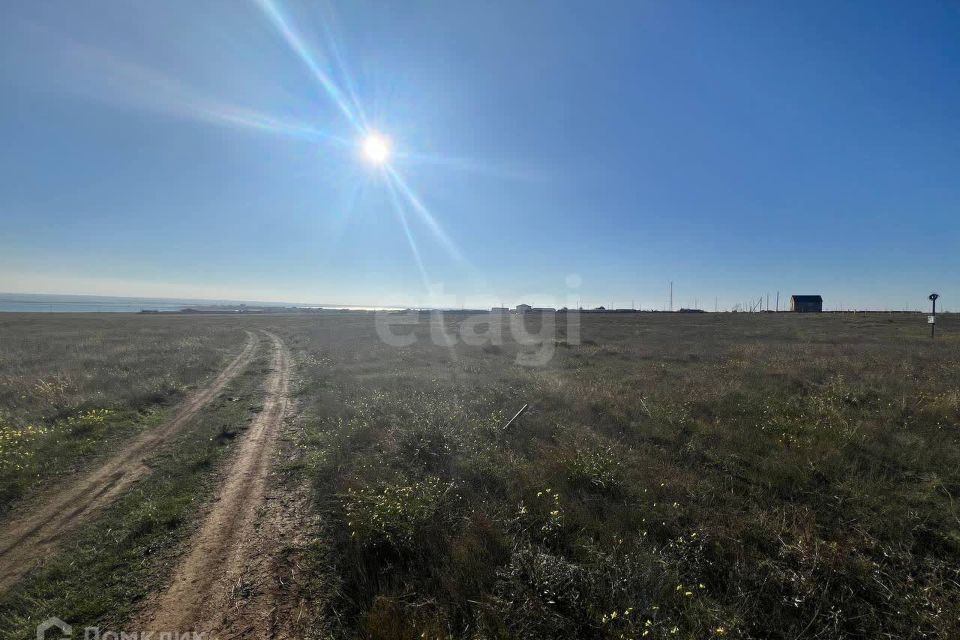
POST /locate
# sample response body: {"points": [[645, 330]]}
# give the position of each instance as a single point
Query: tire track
{"points": [[200, 595], [34, 533]]}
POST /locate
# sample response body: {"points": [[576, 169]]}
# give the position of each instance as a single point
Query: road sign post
{"points": [[932, 320]]}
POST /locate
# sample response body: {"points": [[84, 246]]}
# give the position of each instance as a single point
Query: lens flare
{"points": [[310, 59]]}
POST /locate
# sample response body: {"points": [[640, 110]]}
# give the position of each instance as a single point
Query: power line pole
{"points": [[671, 295], [778, 301]]}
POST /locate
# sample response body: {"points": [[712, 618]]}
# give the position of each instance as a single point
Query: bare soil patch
{"points": [[235, 580]]}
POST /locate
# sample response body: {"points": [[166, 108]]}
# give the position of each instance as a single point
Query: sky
{"points": [[556, 153]]}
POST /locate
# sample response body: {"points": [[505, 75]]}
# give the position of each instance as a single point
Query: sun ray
{"points": [[424, 213], [468, 165], [103, 77], [338, 58], [307, 56], [398, 208], [231, 115]]}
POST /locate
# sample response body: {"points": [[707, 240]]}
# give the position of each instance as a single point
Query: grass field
{"points": [[676, 476], [71, 386]]}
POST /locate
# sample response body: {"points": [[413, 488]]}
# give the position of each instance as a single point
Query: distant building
{"points": [[806, 304], [499, 310], [524, 308], [544, 309]]}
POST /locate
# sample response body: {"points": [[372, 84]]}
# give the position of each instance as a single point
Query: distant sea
{"points": [[34, 302], [45, 303]]}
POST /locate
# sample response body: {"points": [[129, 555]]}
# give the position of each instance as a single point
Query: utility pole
{"points": [[671, 295], [768, 302], [778, 302]]}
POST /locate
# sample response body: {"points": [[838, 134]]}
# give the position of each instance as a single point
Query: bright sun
{"points": [[376, 148]]}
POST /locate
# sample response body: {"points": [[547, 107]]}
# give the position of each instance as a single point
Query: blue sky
{"points": [[566, 151]]}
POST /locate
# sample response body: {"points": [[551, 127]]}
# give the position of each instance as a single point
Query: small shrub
{"points": [[597, 468], [393, 514]]}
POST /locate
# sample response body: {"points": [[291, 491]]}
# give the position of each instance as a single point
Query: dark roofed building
{"points": [[806, 304]]}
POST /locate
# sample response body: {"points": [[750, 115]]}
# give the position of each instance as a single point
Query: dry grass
{"points": [[73, 386], [709, 476], [737, 476], [105, 567]]}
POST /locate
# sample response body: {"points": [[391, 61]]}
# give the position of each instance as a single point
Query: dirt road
{"points": [[34, 531], [221, 565]]}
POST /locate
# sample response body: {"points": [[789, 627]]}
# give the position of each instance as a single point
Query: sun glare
{"points": [[376, 148]]}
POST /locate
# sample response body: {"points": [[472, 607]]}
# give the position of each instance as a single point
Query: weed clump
{"points": [[393, 514], [596, 468]]}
